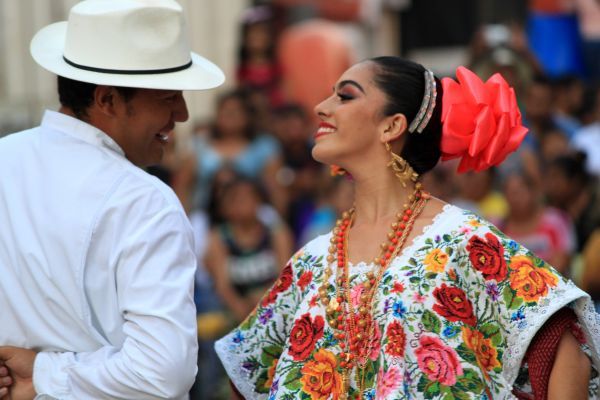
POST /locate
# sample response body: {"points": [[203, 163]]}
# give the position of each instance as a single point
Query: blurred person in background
{"points": [[546, 231], [554, 37], [569, 187], [258, 67], [335, 197], [97, 257], [299, 174], [233, 141], [244, 255], [567, 102], [587, 139], [476, 191], [588, 13]]}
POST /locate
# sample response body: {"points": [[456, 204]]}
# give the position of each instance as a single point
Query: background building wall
{"points": [[26, 89]]}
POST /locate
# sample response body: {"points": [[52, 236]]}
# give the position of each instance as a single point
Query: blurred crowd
{"points": [[254, 193]]}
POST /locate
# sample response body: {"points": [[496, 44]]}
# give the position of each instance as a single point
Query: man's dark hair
{"points": [[403, 82], [78, 96]]}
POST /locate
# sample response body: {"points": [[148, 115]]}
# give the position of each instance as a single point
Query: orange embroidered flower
{"points": [[529, 281], [485, 352], [271, 374], [319, 379], [436, 261]]}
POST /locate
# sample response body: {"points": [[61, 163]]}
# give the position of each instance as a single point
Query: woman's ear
{"points": [[393, 127]]}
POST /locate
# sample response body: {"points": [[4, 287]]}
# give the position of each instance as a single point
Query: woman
{"points": [[546, 231], [452, 314]]}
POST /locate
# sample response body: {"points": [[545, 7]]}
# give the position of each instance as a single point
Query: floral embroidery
{"points": [[487, 256], [530, 282], [396, 340], [281, 285], [447, 311], [453, 304], [436, 261], [439, 362], [387, 382], [320, 378], [304, 336], [305, 279]]}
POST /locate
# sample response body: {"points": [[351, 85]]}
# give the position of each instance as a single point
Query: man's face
{"points": [[145, 121]]}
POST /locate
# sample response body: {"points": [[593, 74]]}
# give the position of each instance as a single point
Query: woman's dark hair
{"points": [[78, 96], [403, 82]]}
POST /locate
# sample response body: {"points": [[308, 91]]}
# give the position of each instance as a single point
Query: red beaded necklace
{"points": [[355, 328]]}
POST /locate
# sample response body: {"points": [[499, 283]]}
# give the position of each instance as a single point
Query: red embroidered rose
{"points": [[453, 304], [396, 339], [487, 256], [281, 285], [439, 362], [304, 336], [305, 279]]}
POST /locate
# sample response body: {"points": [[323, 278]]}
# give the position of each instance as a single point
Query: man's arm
{"points": [[154, 285]]}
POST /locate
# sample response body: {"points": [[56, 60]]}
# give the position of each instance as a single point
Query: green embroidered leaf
{"points": [[429, 241], [305, 396], [414, 279], [269, 354], [412, 262], [447, 238], [466, 354], [512, 301], [449, 250], [431, 322], [458, 394], [428, 388], [430, 275], [469, 382], [261, 383], [292, 380], [386, 291], [387, 279], [425, 287], [492, 331]]}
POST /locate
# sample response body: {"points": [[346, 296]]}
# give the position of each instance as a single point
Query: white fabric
{"points": [[587, 139], [96, 267]]}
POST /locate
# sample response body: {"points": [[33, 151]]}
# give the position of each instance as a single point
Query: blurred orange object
{"points": [[313, 55]]}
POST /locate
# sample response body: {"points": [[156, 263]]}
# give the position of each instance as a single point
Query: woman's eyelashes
{"points": [[344, 96]]}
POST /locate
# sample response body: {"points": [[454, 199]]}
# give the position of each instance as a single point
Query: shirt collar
{"points": [[81, 130]]}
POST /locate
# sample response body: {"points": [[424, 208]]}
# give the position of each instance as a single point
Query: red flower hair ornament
{"points": [[481, 121]]}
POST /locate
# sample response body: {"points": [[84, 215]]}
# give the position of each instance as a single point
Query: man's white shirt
{"points": [[96, 267]]}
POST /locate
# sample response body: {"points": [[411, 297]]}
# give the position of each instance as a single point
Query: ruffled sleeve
{"points": [[518, 293], [251, 351]]}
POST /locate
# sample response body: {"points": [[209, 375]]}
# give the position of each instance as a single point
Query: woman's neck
{"points": [[377, 197]]}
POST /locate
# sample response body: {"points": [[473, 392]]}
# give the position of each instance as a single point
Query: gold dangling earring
{"points": [[401, 167]]}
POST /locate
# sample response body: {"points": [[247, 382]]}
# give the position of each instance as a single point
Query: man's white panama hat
{"points": [[131, 43]]}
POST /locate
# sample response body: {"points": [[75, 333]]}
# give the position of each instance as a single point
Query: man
{"points": [[96, 256]]}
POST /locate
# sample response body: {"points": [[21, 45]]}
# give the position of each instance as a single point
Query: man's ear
{"points": [[105, 99], [393, 127]]}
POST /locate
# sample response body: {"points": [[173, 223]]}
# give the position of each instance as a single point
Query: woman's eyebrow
{"points": [[350, 82]]}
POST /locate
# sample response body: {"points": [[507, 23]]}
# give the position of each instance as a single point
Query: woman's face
{"points": [[351, 119]]}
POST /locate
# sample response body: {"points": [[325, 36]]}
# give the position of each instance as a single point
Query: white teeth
{"points": [[326, 130]]}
